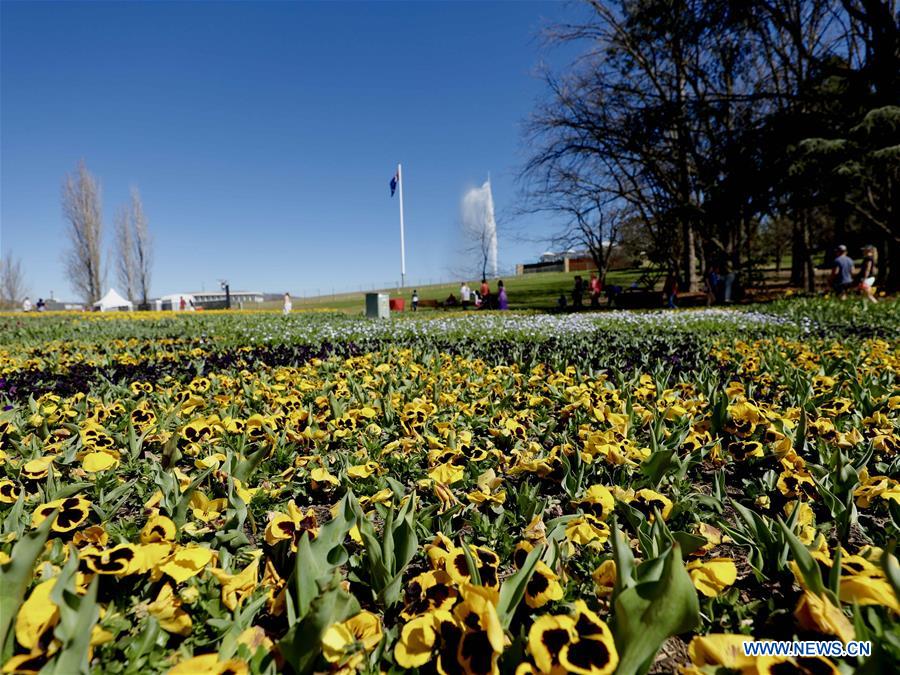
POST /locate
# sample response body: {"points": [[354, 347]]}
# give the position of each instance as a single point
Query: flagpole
{"points": [[402, 235]]}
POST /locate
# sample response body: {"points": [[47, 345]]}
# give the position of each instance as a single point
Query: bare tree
{"points": [[81, 208], [143, 247], [12, 281], [125, 263]]}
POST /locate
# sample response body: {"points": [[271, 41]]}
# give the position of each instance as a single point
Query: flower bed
{"points": [[589, 494]]}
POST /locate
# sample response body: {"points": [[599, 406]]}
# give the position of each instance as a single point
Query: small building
{"points": [[207, 300]]}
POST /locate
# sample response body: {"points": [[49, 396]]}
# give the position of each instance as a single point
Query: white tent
{"points": [[112, 301]]}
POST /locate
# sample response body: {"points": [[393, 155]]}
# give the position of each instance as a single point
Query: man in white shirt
{"points": [[465, 295], [26, 304]]}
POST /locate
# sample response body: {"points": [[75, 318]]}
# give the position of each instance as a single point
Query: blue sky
{"points": [[262, 136]]}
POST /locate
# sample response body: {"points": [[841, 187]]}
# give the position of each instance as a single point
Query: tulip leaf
{"points": [[513, 588], [662, 603], [15, 576], [77, 616]]}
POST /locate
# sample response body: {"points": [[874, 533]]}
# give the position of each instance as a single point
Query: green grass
{"points": [[529, 291]]}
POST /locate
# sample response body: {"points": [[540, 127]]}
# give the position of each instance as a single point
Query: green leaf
{"points": [[77, 617], [513, 589], [15, 576], [660, 604]]}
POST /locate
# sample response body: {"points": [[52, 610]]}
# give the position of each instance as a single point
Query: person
{"points": [[561, 302], [181, 303], [670, 291], [728, 284], [465, 295], [577, 292], [41, 305], [26, 304], [595, 288], [502, 301], [485, 294], [712, 285], [868, 272], [842, 272], [288, 305], [415, 300], [476, 299]]}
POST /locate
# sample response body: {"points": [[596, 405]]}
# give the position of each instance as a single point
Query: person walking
{"points": [[578, 292], [712, 285], [867, 273], [502, 301], [485, 294], [415, 300], [842, 272], [670, 291], [288, 305], [465, 295], [181, 304], [595, 288]]}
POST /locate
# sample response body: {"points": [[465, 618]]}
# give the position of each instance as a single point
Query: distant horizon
{"points": [[263, 136]]}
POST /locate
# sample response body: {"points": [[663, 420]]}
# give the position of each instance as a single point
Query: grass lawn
{"points": [[529, 291]]}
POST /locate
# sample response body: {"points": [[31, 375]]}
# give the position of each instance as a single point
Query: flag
{"points": [[394, 184]]}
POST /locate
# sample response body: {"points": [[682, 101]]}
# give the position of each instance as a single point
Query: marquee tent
{"points": [[112, 302]]}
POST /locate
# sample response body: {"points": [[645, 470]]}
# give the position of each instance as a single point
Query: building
{"points": [[208, 300], [565, 261]]}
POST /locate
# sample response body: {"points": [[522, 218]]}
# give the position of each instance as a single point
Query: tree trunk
{"points": [[691, 280]]}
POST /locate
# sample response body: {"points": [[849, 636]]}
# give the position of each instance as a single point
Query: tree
{"points": [[81, 208], [589, 222], [125, 263], [12, 281], [134, 250], [143, 246]]}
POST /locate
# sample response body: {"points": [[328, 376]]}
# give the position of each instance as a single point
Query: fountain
{"points": [[479, 225]]}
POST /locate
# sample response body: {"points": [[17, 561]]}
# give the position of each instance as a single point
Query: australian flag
{"points": [[394, 184]]}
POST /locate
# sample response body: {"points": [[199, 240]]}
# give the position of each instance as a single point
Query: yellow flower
{"points": [[236, 587], [416, 642], [36, 469], [605, 578], [720, 649], [118, 560], [362, 470], [586, 530], [94, 462], [447, 474], [429, 592], [157, 529], [358, 633], [816, 613], [206, 509], [187, 562], [167, 610], [712, 576], [9, 492], [547, 637], [594, 650], [598, 501], [209, 664], [320, 475], [72, 512], [543, 587], [646, 500], [36, 615], [291, 526]]}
